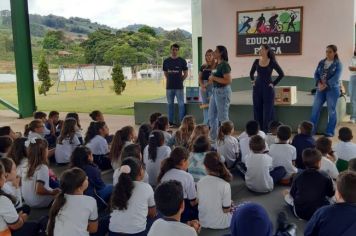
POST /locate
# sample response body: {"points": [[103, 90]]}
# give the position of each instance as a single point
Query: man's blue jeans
{"points": [[330, 96], [219, 109], [205, 96], [352, 92], [179, 93]]}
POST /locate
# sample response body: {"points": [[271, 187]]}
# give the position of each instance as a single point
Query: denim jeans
{"points": [[179, 93], [352, 92], [219, 109], [206, 95], [330, 96]]}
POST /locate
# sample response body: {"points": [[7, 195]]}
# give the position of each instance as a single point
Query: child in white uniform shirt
{"points": [[227, 145], [271, 137], [18, 154], [162, 124], [66, 142], [324, 145], [284, 154], [96, 142], [260, 175], [214, 194], [175, 168], [122, 138], [72, 213], [170, 202], [345, 149], [35, 176], [154, 153], [132, 201]]}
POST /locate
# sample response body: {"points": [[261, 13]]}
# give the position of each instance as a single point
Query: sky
{"points": [[168, 14]]}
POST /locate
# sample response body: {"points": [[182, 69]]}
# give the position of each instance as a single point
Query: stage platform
{"points": [[241, 108]]}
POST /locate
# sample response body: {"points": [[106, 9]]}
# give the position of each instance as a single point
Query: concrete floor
{"points": [[273, 202]]}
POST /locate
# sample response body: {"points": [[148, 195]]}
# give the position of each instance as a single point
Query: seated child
{"points": [[53, 123], [282, 153], [18, 154], [5, 145], [35, 176], [74, 115], [252, 128], [303, 140], [132, 201], [7, 131], [227, 145], [323, 144], [271, 137], [170, 203], [311, 188], [214, 194], [83, 159], [10, 220], [162, 124], [73, 213], [48, 135], [260, 175], [123, 137], [345, 149], [196, 160], [175, 168], [143, 136], [96, 142], [97, 116], [182, 135], [199, 130], [153, 155], [153, 118], [66, 142], [337, 219]]}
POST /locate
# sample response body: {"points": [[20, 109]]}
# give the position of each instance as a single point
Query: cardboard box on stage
{"points": [[285, 95]]}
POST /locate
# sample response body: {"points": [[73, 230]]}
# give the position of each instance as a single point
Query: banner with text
{"points": [[279, 28]]}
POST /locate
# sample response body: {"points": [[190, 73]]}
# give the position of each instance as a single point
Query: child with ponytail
{"points": [[35, 177], [132, 201], [73, 213], [122, 138], [214, 194], [227, 145], [96, 142], [154, 153], [175, 168]]}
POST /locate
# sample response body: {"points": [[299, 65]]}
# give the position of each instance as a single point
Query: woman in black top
{"points": [[263, 86], [206, 89]]}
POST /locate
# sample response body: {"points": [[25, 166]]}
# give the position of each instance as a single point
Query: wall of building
{"points": [[324, 22], [196, 32]]}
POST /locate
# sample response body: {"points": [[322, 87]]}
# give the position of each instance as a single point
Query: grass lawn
{"points": [[103, 99]]}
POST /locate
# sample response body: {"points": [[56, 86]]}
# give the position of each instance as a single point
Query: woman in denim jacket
{"points": [[327, 80]]}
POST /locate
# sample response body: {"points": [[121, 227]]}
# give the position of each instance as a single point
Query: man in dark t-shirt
{"points": [[176, 71]]}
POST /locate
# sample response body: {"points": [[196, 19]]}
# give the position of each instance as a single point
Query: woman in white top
{"points": [[214, 194], [324, 145], [67, 141], [155, 152], [73, 213], [35, 176], [227, 145], [122, 138], [96, 142], [175, 168], [132, 200]]}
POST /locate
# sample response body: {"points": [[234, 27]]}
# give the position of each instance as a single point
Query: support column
{"points": [[23, 57]]}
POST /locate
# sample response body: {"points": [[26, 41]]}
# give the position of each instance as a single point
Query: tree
{"points": [[147, 30], [53, 40], [118, 78], [43, 77]]}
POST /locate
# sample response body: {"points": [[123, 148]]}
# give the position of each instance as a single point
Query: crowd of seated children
{"points": [[175, 168], [284, 154], [260, 175], [324, 145], [155, 152], [271, 136], [227, 144], [311, 188], [345, 149], [123, 137]]}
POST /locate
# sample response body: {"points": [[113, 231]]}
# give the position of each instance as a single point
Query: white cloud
{"points": [[169, 14]]}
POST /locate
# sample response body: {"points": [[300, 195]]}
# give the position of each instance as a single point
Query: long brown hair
{"points": [[17, 151], [121, 136], [36, 153], [178, 155], [70, 181], [68, 130], [334, 49], [185, 131], [200, 129], [213, 163], [225, 129]]}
